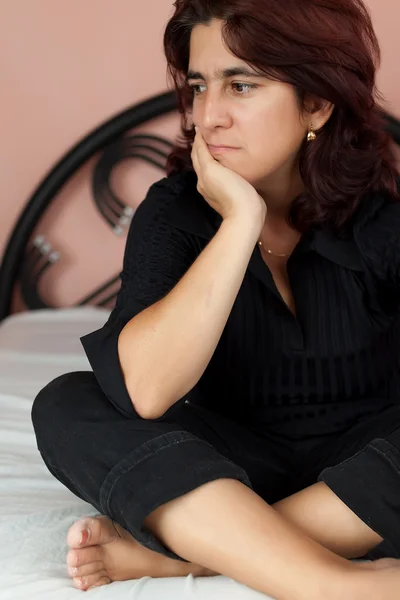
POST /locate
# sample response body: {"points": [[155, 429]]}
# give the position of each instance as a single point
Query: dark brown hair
{"points": [[324, 48]]}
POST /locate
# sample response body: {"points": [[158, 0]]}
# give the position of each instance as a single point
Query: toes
{"points": [[87, 569], [81, 532], [91, 532], [380, 563], [96, 579], [102, 581], [385, 563], [79, 557]]}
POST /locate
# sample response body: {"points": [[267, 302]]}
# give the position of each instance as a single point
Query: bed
{"points": [[40, 342]]}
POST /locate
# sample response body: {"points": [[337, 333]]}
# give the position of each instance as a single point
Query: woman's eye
{"points": [[243, 88], [197, 89], [239, 89]]}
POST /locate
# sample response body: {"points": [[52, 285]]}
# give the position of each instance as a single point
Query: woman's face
{"points": [[258, 118]]}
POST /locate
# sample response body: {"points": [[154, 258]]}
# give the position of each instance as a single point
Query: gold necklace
{"points": [[270, 251]]}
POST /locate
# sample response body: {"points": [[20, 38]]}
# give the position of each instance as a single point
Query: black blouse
{"points": [[316, 373]]}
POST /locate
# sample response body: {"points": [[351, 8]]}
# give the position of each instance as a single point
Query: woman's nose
{"points": [[215, 113]]}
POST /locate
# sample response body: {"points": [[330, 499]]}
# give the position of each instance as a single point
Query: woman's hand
{"points": [[225, 191]]}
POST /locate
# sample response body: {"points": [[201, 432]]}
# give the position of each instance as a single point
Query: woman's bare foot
{"points": [[109, 553], [378, 580], [381, 563]]}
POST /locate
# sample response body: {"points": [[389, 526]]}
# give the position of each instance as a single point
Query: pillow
{"points": [[50, 331]]}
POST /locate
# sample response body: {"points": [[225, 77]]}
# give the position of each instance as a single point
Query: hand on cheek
{"points": [[201, 155], [225, 191]]}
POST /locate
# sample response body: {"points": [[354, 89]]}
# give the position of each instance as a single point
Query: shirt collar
{"points": [[194, 215], [343, 252]]}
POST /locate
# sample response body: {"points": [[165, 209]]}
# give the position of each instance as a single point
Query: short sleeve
{"points": [[157, 255], [378, 239]]}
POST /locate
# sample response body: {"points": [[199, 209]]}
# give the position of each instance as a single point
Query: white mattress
{"points": [[35, 509]]}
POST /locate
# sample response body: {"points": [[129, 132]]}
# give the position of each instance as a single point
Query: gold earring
{"points": [[311, 135]]}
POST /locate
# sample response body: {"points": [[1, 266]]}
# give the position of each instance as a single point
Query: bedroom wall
{"points": [[67, 66]]}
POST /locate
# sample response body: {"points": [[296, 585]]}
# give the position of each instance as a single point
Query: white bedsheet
{"points": [[35, 509]]}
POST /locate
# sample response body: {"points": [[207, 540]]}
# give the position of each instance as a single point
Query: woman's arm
{"points": [[165, 349]]}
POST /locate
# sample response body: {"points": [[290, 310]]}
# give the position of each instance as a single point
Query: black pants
{"points": [[127, 467]]}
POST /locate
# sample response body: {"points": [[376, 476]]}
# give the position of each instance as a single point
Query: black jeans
{"points": [[127, 467]]}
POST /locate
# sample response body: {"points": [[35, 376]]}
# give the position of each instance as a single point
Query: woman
{"points": [[243, 416]]}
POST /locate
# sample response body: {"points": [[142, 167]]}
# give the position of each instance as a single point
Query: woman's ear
{"points": [[322, 114]]}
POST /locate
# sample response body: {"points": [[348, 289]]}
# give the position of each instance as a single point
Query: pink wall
{"points": [[67, 66]]}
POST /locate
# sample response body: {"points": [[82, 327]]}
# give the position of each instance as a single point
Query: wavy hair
{"points": [[324, 48]]}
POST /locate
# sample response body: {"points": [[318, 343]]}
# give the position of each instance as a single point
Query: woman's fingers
{"points": [[195, 159], [203, 154], [196, 166], [223, 189], [199, 158]]}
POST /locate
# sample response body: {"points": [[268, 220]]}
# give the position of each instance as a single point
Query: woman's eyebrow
{"points": [[223, 74]]}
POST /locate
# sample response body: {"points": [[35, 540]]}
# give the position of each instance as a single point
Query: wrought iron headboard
{"points": [[26, 262]]}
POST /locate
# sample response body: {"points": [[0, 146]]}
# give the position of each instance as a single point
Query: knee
{"points": [[55, 401]]}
